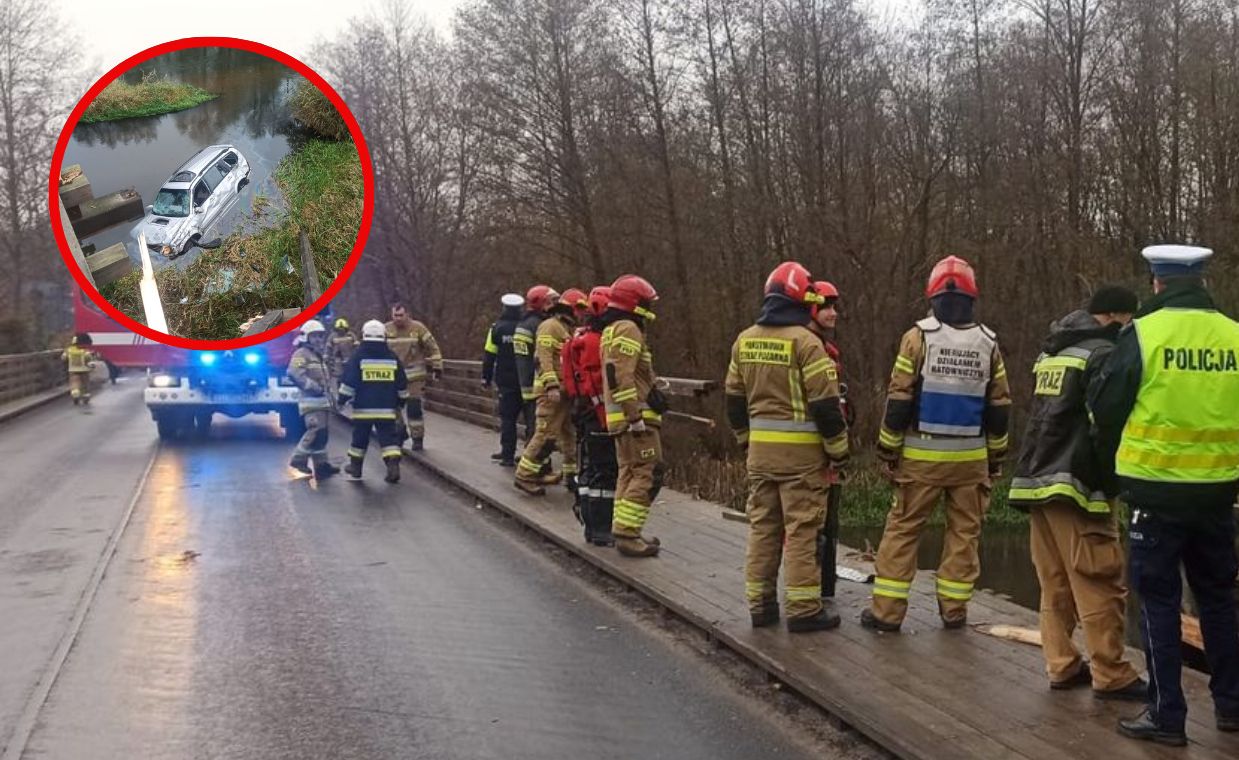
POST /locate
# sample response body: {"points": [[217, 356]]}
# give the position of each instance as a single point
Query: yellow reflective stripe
{"points": [[1001, 372], [797, 396], [781, 436], [368, 414], [548, 377], [998, 443], [1057, 362], [547, 341], [813, 369], [837, 446], [1059, 489], [803, 593], [620, 340], [490, 347], [755, 590], [926, 455], [629, 514], [628, 394], [891, 588], [355, 452], [615, 417], [904, 364], [530, 465], [528, 394], [1181, 435], [889, 439], [1130, 455], [957, 590], [391, 452]]}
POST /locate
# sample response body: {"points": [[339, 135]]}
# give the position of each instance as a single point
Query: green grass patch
{"points": [[322, 186], [153, 96], [867, 497], [318, 114]]}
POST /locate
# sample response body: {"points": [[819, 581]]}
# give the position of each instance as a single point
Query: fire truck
{"points": [[185, 389]]}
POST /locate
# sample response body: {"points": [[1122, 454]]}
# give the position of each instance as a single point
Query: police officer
{"points": [[538, 301], [418, 351], [1073, 527], [783, 404], [583, 383], [307, 368], [373, 380], [944, 432], [825, 319], [342, 345], [1166, 416], [634, 411], [554, 427], [79, 360], [499, 367]]}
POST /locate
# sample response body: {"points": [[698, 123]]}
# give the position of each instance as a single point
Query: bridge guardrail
{"points": [[23, 375], [459, 393]]}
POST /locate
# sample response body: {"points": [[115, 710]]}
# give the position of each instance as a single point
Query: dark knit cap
{"points": [[1113, 299]]}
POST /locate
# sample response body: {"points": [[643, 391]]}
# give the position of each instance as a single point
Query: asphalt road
{"points": [[245, 614]]}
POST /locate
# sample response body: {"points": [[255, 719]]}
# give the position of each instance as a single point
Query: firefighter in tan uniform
{"points": [[418, 352], [80, 361], [553, 427], [307, 368], [783, 404], [634, 411], [944, 433], [339, 349]]}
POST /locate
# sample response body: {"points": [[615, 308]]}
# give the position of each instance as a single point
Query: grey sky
{"points": [[116, 31]]}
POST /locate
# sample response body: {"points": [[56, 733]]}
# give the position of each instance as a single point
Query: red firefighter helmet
{"points": [[574, 299], [599, 297], [791, 280], [827, 291], [952, 275], [540, 298], [634, 295]]}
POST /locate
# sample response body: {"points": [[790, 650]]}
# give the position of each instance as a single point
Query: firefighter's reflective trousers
{"points": [[553, 429], [791, 505], [639, 455]]}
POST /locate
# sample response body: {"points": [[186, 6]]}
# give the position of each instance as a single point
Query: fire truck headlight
{"points": [[165, 381]]}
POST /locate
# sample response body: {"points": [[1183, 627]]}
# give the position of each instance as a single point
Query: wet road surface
{"points": [[248, 615]]}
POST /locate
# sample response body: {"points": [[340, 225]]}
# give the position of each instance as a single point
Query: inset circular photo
{"points": [[211, 193]]}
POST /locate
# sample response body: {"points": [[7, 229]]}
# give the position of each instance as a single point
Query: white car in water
{"points": [[194, 199]]}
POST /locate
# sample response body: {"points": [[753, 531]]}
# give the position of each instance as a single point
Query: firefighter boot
{"points": [[325, 469], [767, 616], [603, 514], [637, 547], [529, 487], [871, 621], [825, 619], [393, 470], [353, 468], [417, 445], [301, 464]]}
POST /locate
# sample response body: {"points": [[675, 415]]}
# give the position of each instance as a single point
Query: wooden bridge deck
{"points": [[925, 693]]}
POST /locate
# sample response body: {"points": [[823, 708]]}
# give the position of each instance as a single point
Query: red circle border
{"points": [[363, 153]]}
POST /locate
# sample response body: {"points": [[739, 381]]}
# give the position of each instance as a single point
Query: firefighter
{"points": [[373, 380], [634, 410], [825, 318], [418, 352], [343, 343], [944, 432], [1073, 526], [582, 375], [554, 420], [80, 361], [783, 404], [1166, 421], [308, 370], [499, 367], [538, 301]]}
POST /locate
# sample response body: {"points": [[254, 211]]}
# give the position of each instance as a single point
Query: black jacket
{"points": [[499, 360], [1057, 452], [526, 333], [376, 390], [1112, 396]]}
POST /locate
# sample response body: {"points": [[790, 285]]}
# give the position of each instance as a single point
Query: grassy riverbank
{"points": [[153, 96], [323, 190]]}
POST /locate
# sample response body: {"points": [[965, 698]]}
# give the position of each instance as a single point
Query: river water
{"points": [[250, 113]]}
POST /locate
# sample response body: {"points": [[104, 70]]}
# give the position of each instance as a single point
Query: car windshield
{"points": [[170, 202]]}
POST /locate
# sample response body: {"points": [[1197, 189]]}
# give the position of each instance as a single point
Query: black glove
{"points": [[657, 401]]}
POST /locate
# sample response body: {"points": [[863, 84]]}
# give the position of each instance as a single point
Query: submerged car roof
{"points": [[197, 163]]}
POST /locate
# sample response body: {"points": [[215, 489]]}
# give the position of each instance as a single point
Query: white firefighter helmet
{"points": [[309, 328], [374, 330]]}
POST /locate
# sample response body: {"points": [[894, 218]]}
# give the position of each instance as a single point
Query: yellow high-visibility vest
{"points": [[1184, 427]]}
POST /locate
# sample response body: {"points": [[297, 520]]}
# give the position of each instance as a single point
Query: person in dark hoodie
{"points": [[783, 405], [1167, 421], [499, 367], [373, 380], [1073, 524], [944, 433]]}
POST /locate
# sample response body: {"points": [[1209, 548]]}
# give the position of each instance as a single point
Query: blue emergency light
{"points": [[252, 358], [207, 358]]}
